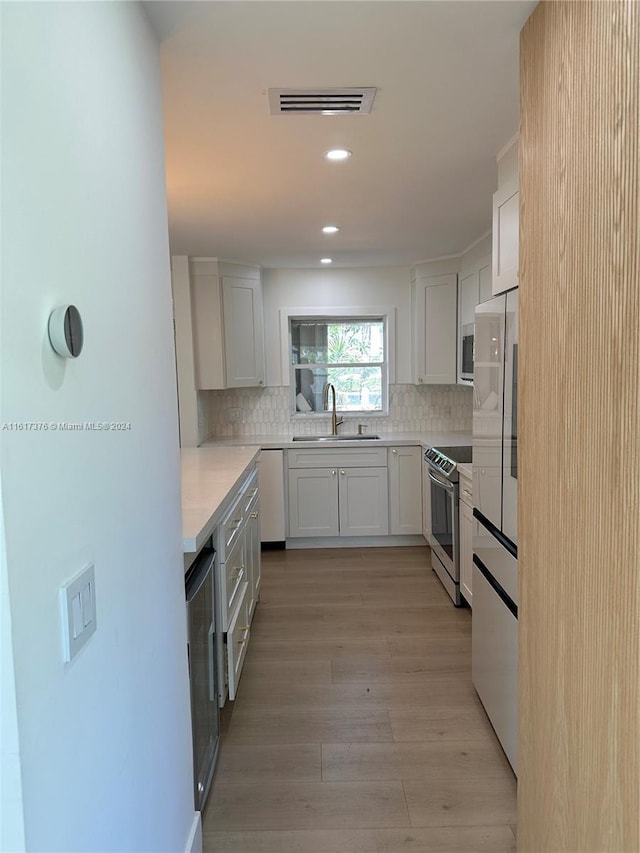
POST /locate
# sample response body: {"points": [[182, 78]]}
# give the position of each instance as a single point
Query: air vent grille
{"points": [[354, 100]]}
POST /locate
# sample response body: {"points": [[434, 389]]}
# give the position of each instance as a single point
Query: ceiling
{"points": [[245, 185]]}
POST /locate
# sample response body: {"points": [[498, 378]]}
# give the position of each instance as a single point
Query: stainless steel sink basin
{"points": [[336, 437]]}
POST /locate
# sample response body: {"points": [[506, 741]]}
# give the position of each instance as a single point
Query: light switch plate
{"points": [[78, 604]]}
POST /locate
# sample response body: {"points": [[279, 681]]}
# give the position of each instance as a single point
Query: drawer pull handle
{"points": [[467, 492], [254, 515]]}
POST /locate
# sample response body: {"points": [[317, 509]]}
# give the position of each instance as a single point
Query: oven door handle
{"points": [[441, 483]]}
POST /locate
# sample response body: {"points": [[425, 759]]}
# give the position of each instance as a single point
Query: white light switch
{"points": [[78, 602]]}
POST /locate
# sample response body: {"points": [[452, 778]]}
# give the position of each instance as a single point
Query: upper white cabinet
{"points": [[228, 326], [243, 331], [405, 489], [434, 308], [506, 221], [474, 286]]}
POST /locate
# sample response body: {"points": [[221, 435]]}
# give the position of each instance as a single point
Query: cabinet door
{"points": [[364, 502], [271, 478], [466, 551], [313, 502], [243, 331], [426, 502], [435, 323], [486, 291], [506, 219], [405, 489], [469, 297]]}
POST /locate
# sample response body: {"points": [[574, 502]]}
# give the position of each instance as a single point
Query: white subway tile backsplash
{"points": [[265, 411]]}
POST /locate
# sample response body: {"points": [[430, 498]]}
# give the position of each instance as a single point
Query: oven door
{"points": [[444, 532]]}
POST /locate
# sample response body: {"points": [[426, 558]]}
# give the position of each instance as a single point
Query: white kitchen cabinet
{"points": [[434, 308], [243, 331], [313, 502], [338, 492], [426, 502], [237, 581], [405, 489], [338, 502], [467, 525], [271, 477], [506, 222], [484, 274], [363, 501], [253, 554], [228, 324]]}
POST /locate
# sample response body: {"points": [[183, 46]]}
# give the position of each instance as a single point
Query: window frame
{"points": [[350, 314]]}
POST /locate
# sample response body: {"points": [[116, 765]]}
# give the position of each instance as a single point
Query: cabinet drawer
{"points": [[338, 457], [249, 493], [231, 527], [234, 577], [238, 642]]}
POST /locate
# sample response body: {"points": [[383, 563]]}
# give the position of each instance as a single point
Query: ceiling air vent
{"points": [[355, 100]]}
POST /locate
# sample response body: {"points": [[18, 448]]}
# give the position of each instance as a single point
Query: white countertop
{"points": [[270, 442], [209, 476]]}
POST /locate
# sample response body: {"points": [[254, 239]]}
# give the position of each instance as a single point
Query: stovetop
{"points": [[446, 459]]}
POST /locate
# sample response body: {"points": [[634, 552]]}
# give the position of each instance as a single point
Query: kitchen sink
{"points": [[336, 437]]}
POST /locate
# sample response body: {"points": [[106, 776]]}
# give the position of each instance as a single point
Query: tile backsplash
{"points": [[266, 411]]}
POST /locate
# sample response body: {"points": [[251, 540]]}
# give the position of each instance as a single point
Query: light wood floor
{"points": [[356, 728]]}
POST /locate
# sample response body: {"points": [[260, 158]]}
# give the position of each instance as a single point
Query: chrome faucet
{"points": [[335, 423]]}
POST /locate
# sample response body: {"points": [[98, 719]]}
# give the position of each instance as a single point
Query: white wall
{"points": [[300, 288], [105, 748]]}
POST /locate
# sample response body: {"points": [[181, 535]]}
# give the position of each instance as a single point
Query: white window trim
{"points": [[357, 312]]}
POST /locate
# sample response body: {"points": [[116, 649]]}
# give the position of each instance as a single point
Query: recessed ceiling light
{"points": [[330, 229], [326, 260], [338, 154]]}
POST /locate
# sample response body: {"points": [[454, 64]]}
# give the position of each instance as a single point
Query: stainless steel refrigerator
{"points": [[495, 497]]}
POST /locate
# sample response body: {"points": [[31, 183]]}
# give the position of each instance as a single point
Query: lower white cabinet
{"points": [[271, 477], [405, 489], [363, 501], [467, 525], [238, 642], [237, 582], [338, 501], [426, 502]]}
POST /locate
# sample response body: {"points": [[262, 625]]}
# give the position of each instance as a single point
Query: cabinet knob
{"points": [[393, 450], [333, 473], [254, 515], [343, 473]]}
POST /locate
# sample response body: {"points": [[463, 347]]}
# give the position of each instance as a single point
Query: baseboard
{"points": [[356, 542], [194, 841], [273, 546]]}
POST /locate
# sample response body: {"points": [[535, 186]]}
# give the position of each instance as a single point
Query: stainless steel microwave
{"points": [[466, 365]]}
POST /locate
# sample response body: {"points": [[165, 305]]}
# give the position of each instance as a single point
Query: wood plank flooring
{"points": [[356, 728]]}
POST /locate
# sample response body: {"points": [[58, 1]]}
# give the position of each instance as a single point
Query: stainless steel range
{"points": [[445, 528]]}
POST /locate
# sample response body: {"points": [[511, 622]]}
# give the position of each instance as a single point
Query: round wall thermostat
{"points": [[65, 331]]}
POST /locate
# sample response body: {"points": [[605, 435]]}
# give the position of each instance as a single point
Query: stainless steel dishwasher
{"points": [[205, 713]]}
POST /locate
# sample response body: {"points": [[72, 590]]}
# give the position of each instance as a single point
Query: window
{"points": [[350, 353]]}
